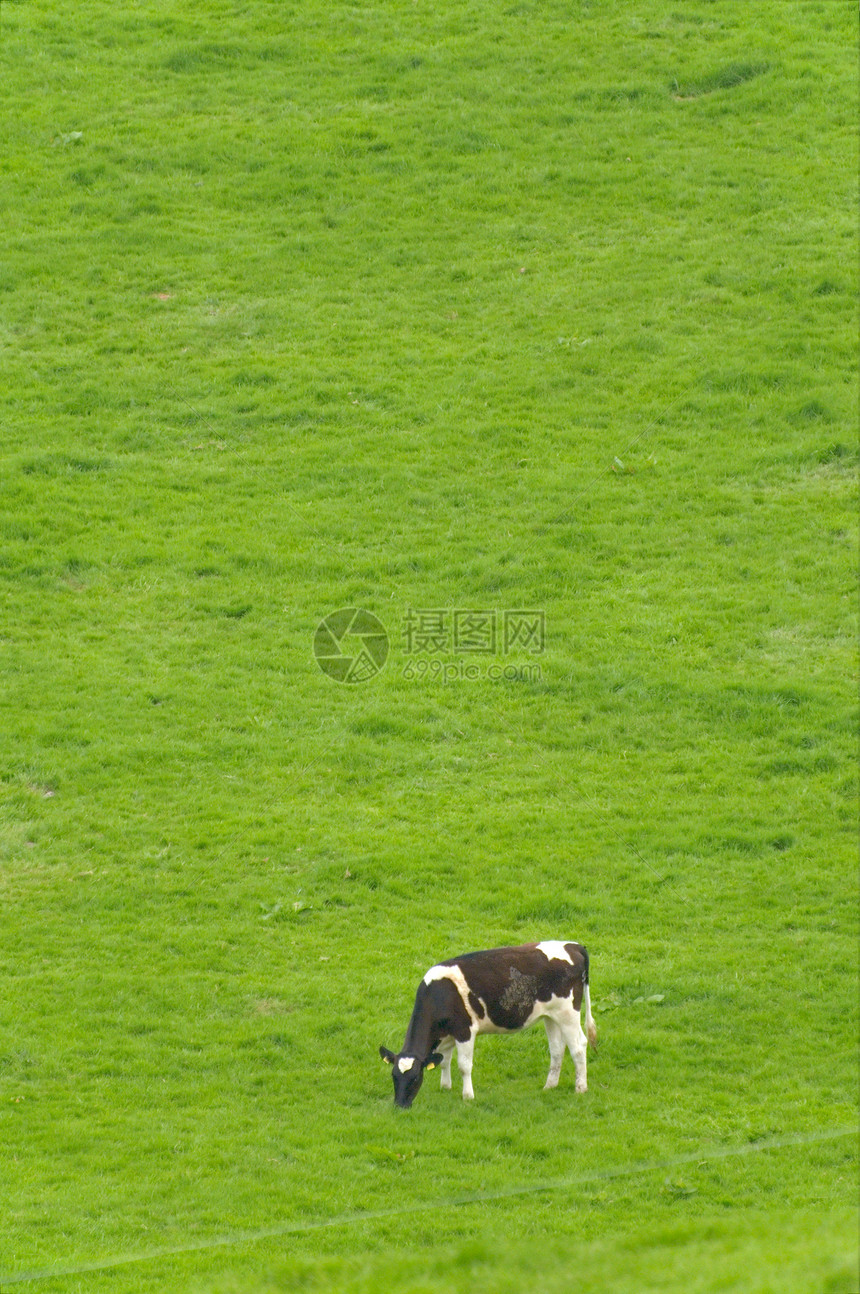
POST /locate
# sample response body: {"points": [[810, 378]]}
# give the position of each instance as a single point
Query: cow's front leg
{"points": [[447, 1050], [465, 1051]]}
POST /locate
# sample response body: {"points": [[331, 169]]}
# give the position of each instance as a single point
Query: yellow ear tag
{"points": [[429, 1066]]}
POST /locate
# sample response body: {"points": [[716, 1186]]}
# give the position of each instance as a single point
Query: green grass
{"points": [[545, 306]]}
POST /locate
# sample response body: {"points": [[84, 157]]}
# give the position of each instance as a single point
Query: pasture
{"points": [[528, 329]]}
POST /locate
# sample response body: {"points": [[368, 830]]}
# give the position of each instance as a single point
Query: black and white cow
{"points": [[500, 991]]}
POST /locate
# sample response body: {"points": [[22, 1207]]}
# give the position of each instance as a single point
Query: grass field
{"points": [[472, 316]]}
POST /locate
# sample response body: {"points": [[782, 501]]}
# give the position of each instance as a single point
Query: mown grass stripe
{"points": [[238, 1238]]}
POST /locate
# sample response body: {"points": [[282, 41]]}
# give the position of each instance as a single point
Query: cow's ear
{"points": [[387, 1055], [433, 1060]]}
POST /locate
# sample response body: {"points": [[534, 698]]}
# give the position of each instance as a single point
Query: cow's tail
{"points": [[590, 1026]]}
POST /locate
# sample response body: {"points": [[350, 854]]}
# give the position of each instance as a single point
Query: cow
{"points": [[502, 990]]}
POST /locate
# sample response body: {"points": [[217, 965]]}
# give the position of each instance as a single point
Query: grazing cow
{"points": [[500, 991]]}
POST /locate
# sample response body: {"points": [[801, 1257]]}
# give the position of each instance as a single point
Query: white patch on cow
{"points": [[555, 950], [443, 972], [458, 979], [405, 1063]]}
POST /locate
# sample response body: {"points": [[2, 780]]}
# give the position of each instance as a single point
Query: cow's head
{"points": [[408, 1074]]}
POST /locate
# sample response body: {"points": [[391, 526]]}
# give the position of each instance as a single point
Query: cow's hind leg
{"points": [[555, 1038], [574, 1037]]}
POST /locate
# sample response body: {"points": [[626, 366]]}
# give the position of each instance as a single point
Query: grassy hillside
{"points": [[538, 313]]}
